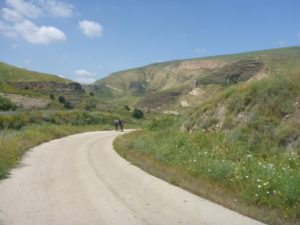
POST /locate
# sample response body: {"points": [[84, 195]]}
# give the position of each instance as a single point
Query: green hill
{"points": [[204, 76], [238, 141], [29, 89], [9, 73]]}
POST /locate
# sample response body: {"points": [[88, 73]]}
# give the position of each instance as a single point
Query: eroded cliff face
{"points": [[49, 87]]}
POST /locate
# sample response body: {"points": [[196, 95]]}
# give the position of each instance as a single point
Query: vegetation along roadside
{"points": [[247, 159], [22, 130]]}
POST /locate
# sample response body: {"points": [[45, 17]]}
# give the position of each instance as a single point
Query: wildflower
{"points": [[258, 180], [267, 192], [247, 177], [259, 186], [256, 195], [266, 183]]}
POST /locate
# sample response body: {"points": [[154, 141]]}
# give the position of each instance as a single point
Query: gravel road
{"points": [[81, 180]]}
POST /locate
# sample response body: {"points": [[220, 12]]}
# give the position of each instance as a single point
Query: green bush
{"points": [[68, 105], [52, 97], [138, 114], [61, 99], [6, 104], [127, 107]]}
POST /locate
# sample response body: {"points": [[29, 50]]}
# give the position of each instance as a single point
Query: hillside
{"points": [[238, 142], [9, 73], [29, 89], [185, 82]]}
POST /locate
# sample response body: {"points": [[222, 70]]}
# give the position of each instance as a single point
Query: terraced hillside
{"points": [[29, 89]]}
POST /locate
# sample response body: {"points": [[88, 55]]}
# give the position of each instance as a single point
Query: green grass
{"points": [[9, 73], [208, 165]]}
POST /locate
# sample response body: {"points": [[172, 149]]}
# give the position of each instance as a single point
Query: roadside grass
{"points": [[206, 165]]}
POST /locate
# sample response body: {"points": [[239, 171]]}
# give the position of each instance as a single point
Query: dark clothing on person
{"points": [[121, 124], [116, 123]]}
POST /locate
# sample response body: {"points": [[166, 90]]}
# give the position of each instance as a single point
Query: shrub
{"points": [[61, 99], [127, 107], [90, 105], [138, 114], [52, 97], [6, 104], [68, 105]]}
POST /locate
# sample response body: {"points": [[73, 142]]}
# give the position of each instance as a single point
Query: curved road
{"points": [[81, 180]]}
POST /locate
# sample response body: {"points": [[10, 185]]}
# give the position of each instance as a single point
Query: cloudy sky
{"points": [[85, 40]]}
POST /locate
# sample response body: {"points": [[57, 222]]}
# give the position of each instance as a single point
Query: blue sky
{"points": [[86, 40]]}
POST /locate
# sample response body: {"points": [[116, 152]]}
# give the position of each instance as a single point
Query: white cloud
{"points": [[38, 35], [57, 8], [19, 15], [32, 33], [84, 73], [7, 30], [200, 50], [84, 76], [85, 80], [281, 43], [24, 8], [11, 15], [90, 29]]}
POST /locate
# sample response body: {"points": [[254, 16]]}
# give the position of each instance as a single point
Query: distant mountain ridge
{"points": [[148, 84]]}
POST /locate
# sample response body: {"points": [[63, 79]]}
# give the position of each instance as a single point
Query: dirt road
{"points": [[81, 180]]}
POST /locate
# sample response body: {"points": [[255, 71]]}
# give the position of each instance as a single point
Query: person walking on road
{"points": [[121, 124], [116, 124]]}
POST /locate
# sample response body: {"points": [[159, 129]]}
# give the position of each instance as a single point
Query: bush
{"points": [[138, 114], [61, 99], [68, 105], [52, 97], [6, 104], [127, 107]]}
